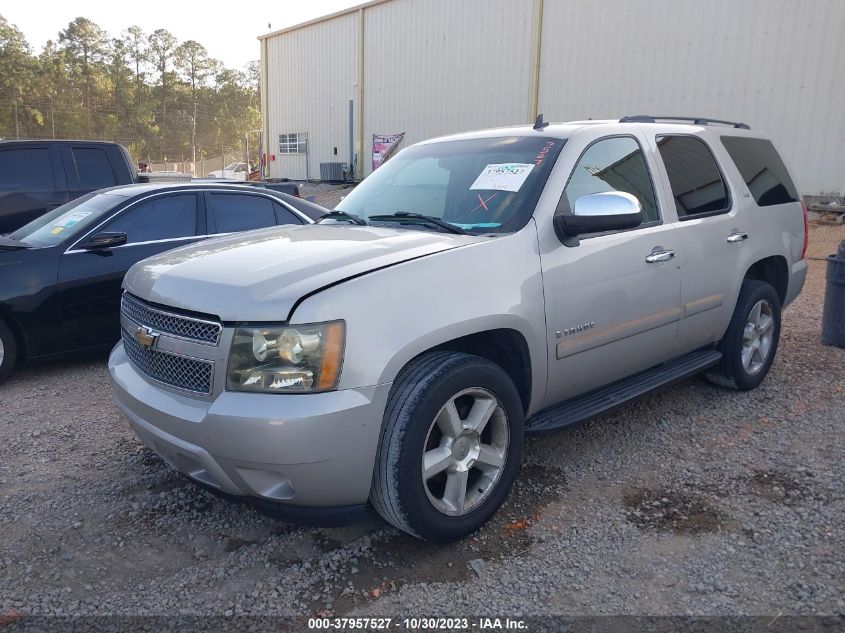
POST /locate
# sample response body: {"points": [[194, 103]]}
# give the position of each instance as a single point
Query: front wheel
{"points": [[751, 341], [451, 446]]}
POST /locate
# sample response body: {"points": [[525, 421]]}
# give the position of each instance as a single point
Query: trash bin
{"points": [[833, 316]]}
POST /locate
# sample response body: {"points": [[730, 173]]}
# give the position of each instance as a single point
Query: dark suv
{"points": [[37, 176]]}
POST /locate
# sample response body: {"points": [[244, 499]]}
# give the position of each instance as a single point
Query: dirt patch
{"points": [[672, 511], [167, 486], [404, 560], [779, 487], [234, 543], [325, 544]]}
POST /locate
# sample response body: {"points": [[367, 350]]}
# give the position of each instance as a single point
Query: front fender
{"points": [[394, 314]]}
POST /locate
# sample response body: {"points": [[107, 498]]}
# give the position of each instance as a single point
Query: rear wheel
{"points": [[451, 446], [8, 351], [751, 341]]}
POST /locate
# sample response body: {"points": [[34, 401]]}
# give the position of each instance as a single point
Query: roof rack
{"points": [[647, 118]]}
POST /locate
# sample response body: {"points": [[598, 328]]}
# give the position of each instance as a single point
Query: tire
{"points": [[734, 370], [431, 507], [8, 351]]}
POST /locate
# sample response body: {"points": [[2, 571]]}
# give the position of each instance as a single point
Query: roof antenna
{"points": [[539, 124]]}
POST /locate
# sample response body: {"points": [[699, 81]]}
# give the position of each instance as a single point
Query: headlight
{"points": [[294, 358]]}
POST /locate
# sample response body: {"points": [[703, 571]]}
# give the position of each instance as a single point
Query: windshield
{"points": [[231, 166], [66, 221], [484, 185]]}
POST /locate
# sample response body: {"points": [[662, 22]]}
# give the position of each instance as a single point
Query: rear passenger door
{"points": [[711, 238], [31, 183], [90, 281], [230, 212]]}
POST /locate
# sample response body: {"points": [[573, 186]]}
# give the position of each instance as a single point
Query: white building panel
{"points": [[311, 76], [774, 64], [434, 67]]}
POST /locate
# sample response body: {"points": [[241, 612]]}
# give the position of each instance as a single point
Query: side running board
{"points": [[586, 407]]}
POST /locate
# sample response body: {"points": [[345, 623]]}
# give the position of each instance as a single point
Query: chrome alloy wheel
{"points": [[465, 451], [757, 337], [2, 351]]}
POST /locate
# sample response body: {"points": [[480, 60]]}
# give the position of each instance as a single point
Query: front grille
{"points": [[181, 372], [185, 327]]}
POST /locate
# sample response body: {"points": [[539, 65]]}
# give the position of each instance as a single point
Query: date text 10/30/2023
{"points": [[417, 624]]}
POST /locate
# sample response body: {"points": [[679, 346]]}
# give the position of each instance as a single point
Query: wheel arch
{"points": [[504, 346], [17, 331], [773, 270]]}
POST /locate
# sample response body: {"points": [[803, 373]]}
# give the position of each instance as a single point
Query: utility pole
{"points": [[194, 135], [246, 153], [17, 123]]}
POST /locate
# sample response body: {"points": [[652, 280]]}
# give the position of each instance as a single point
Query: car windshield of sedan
{"points": [[66, 221], [483, 185]]}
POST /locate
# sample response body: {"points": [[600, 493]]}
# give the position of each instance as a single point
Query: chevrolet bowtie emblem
{"points": [[146, 337]]}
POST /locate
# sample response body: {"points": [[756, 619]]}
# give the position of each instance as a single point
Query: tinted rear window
{"points": [[285, 216], [93, 167], [241, 212], [694, 176], [26, 168], [762, 170]]}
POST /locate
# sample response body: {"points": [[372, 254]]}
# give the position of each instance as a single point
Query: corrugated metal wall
{"points": [[778, 65], [311, 77], [433, 67]]}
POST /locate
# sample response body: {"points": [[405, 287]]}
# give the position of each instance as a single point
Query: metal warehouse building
{"points": [[433, 67]]}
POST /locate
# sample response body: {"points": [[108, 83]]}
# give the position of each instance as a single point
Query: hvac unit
{"points": [[332, 172]]}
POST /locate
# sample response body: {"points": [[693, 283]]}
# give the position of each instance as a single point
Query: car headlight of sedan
{"points": [[286, 359]]}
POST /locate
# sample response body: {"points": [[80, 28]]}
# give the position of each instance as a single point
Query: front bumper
{"points": [[295, 450]]}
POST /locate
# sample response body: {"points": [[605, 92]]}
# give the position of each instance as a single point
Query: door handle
{"points": [[659, 256], [736, 236]]}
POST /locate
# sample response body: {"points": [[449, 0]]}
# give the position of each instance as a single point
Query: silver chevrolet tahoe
{"points": [[473, 289]]}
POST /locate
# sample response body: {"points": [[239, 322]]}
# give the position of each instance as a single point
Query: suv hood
{"points": [[260, 275]]}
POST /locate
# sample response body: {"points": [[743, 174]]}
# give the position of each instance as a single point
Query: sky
{"points": [[228, 29]]}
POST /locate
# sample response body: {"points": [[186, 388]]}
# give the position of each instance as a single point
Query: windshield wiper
{"points": [[451, 228], [343, 215]]}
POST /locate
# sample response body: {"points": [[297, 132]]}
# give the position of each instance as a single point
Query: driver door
{"points": [[612, 308]]}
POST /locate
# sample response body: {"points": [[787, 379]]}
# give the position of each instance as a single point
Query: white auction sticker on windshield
{"points": [[503, 177], [70, 218]]}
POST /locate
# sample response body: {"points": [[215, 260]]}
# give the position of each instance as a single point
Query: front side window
{"points": [[161, 218], [294, 143], [241, 212], [93, 167], [762, 170], [485, 185], [26, 169], [613, 164], [697, 184]]}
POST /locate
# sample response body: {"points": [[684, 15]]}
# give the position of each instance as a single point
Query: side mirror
{"points": [[103, 240], [597, 212]]}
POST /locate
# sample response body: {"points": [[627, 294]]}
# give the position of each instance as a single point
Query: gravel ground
{"points": [[696, 500]]}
